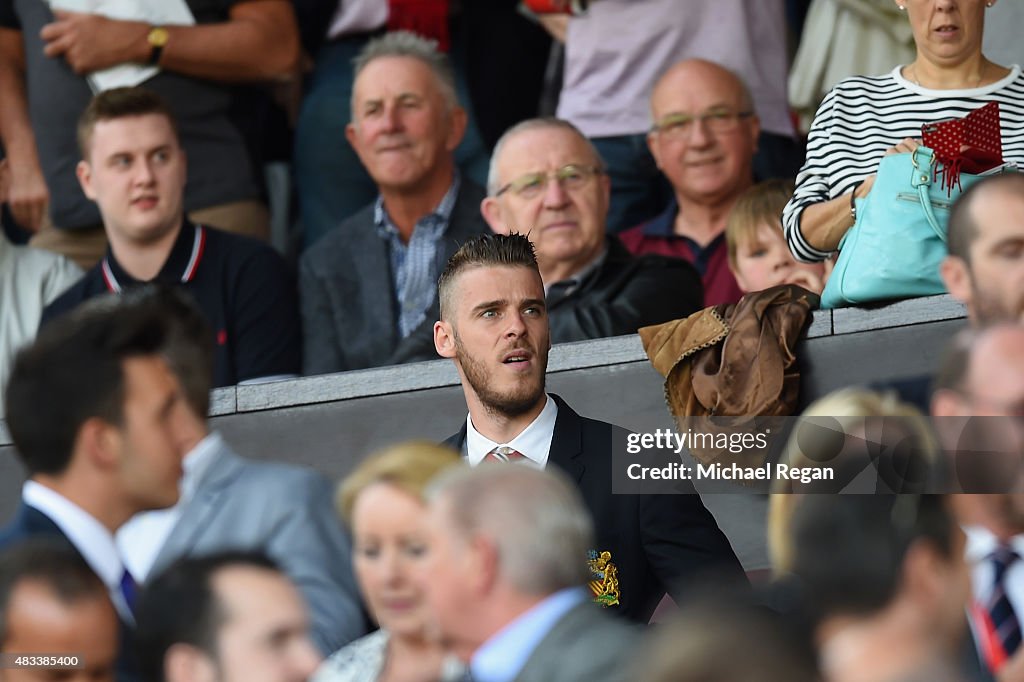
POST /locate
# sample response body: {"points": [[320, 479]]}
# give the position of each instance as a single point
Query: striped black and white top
{"points": [[862, 117]]}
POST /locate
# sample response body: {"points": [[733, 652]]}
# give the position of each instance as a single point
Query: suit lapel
{"points": [[567, 441], [458, 441], [224, 468], [370, 260]]}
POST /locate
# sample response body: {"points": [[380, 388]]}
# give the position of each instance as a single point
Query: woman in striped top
{"points": [[864, 118]]}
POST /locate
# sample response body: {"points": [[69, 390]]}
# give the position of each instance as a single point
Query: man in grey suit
{"points": [[505, 580], [367, 288], [231, 503]]}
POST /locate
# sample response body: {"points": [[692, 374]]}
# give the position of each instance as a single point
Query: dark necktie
{"points": [[128, 588], [503, 453], [1000, 610]]}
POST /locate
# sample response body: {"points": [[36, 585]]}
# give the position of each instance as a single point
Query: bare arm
{"points": [[824, 224], [259, 41], [26, 190]]}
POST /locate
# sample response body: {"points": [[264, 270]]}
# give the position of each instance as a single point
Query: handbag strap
{"points": [[922, 181]]}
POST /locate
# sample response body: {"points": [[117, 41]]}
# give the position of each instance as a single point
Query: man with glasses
{"points": [[703, 139], [546, 180]]}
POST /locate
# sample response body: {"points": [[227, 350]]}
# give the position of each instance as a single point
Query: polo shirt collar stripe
{"points": [[198, 244], [187, 274], [108, 278]]}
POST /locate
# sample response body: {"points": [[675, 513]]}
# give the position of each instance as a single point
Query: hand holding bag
{"points": [[899, 239], [895, 248]]}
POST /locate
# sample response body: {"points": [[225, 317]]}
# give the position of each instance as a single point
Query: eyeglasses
{"points": [[678, 126], [532, 185]]}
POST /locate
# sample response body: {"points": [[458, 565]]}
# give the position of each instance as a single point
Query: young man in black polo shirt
{"points": [[133, 167]]}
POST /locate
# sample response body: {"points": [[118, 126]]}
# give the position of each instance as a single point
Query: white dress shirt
{"points": [[90, 537], [141, 539], [980, 544], [533, 442]]}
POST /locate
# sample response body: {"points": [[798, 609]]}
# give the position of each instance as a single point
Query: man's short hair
{"points": [[962, 229], [408, 44], [120, 103], [74, 372], [486, 250], [179, 606], [746, 99], [540, 123], [761, 204], [536, 519], [189, 347], [48, 562], [849, 550]]}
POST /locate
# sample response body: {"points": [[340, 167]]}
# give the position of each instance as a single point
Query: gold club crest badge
{"points": [[604, 578]]}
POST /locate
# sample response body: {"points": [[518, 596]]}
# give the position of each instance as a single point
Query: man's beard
{"points": [[515, 403], [989, 309]]}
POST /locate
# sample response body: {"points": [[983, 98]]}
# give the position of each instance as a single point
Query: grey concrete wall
{"points": [[330, 422]]}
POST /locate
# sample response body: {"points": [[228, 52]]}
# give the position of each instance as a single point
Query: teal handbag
{"points": [[899, 240]]}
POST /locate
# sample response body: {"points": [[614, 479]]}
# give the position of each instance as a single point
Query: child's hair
{"points": [[762, 203]]}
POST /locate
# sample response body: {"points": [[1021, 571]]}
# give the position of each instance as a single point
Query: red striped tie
{"points": [[503, 453]]}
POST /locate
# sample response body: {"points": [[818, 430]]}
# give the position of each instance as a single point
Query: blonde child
{"points": [[758, 255]]}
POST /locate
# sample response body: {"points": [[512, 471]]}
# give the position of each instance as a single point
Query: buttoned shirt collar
{"points": [[981, 543], [180, 266], [664, 226], [442, 213], [533, 442], [415, 264], [502, 657]]}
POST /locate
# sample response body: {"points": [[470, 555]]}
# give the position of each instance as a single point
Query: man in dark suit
{"points": [[367, 287], [505, 583], [494, 326], [96, 416]]}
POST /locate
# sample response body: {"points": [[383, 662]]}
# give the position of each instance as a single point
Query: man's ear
{"points": [[444, 339], [351, 136], [187, 663], [100, 442], [652, 146], [458, 121], [84, 172], [957, 277], [755, 132], [490, 209], [485, 567], [923, 576]]}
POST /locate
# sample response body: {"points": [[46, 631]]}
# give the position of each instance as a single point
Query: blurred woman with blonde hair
{"points": [[847, 430], [382, 502]]}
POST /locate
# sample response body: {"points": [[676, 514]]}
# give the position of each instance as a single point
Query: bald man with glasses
{"points": [[703, 137], [547, 181]]}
